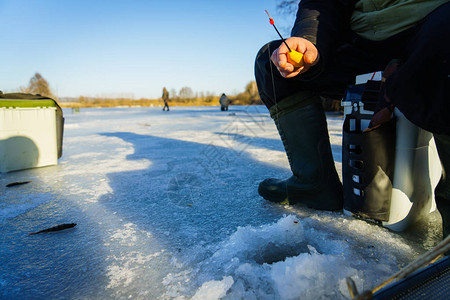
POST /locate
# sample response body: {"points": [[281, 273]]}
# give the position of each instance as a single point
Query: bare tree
{"points": [[39, 86], [186, 92], [252, 90], [173, 92], [250, 95]]}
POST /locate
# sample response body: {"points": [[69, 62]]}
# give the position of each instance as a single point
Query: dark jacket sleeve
{"points": [[325, 23]]}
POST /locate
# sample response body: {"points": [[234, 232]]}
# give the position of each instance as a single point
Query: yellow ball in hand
{"points": [[295, 58]]}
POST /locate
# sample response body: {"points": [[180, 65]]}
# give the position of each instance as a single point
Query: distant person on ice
{"points": [[224, 102], [165, 97], [340, 40]]}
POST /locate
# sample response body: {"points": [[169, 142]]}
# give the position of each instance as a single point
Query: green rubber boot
{"points": [[315, 182]]}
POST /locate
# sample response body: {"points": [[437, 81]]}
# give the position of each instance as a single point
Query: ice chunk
{"points": [[310, 276], [214, 289]]}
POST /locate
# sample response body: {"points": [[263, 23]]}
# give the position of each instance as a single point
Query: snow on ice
{"points": [[167, 208]]}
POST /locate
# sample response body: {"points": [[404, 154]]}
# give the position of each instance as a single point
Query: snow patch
{"points": [[71, 126]]}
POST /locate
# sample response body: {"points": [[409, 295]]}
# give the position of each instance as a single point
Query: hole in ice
{"points": [[265, 244], [272, 253]]}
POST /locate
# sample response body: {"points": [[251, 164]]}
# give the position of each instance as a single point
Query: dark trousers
{"points": [[420, 87]]}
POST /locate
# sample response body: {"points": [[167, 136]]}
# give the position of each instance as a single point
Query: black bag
{"points": [[368, 159]]}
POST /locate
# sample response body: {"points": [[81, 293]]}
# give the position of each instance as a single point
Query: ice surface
{"points": [[167, 208]]}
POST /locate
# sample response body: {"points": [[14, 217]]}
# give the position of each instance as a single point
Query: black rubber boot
{"points": [[315, 181]]}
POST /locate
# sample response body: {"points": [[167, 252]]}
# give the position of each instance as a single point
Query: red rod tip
{"points": [[271, 21]]}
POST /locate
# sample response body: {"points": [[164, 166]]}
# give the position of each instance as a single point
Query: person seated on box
{"points": [[339, 40], [224, 102]]}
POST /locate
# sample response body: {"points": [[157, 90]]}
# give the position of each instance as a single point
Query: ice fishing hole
{"points": [[272, 253]]}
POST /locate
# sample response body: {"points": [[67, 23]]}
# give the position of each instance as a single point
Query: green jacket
{"points": [[378, 20]]}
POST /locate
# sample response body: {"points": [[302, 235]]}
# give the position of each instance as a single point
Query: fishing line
{"points": [[293, 57], [273, 79]]}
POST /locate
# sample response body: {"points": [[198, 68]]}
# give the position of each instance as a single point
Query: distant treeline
{"points": [[328, 104], [113, 102], [184, 97]]}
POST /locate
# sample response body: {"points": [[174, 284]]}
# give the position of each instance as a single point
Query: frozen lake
{"points": [[167, 208]]}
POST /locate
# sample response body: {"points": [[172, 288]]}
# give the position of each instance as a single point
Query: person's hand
{"points": [[380, 117], [384, 110], [310, 57]]}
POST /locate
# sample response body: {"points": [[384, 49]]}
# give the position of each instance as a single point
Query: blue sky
{"points": [[123, 48]]}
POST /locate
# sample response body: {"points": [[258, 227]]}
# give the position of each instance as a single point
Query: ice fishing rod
{"points": [[294, 57]]}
